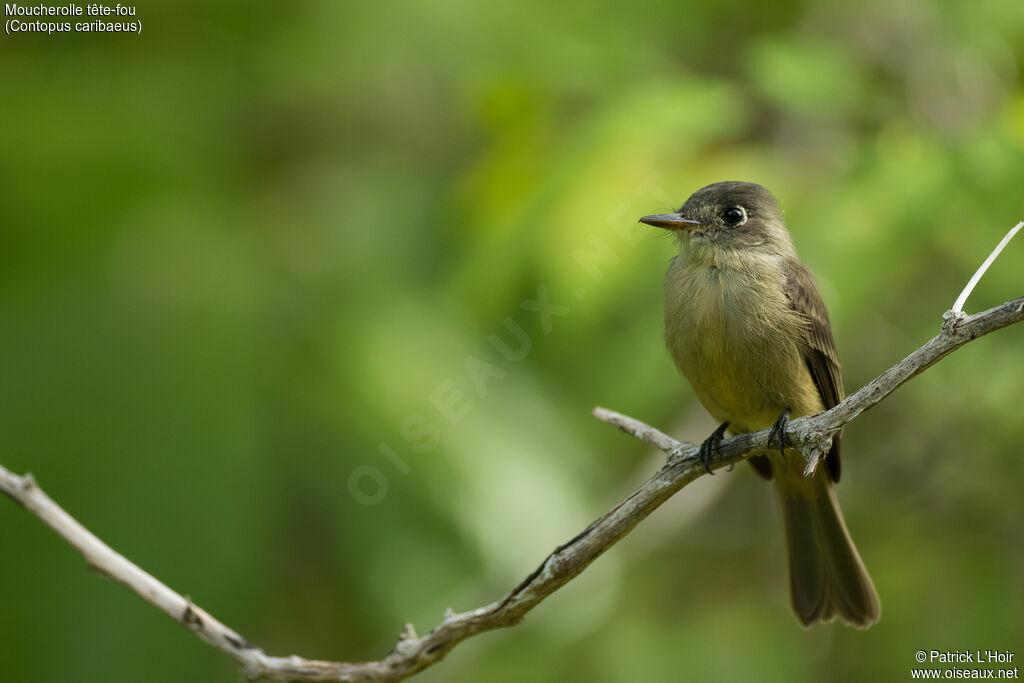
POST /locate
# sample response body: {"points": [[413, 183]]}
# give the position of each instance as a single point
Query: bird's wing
{"points": [[819, 348]]}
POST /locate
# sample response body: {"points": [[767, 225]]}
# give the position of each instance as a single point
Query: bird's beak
{"points": [[670, 221]]}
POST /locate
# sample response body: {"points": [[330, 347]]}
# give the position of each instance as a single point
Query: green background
{"points": [[243, 250]]}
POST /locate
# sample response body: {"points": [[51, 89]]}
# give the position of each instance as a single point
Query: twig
{"points": [[958, 306], [640, 430], [812, 434]]}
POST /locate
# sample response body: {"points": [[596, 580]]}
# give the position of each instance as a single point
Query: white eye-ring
{"points": [[734, 215]]}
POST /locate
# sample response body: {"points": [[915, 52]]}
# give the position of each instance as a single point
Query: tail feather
{"points": [[827, 578]]}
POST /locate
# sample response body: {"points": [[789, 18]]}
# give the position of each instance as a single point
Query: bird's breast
{"points": [[733, 334]]}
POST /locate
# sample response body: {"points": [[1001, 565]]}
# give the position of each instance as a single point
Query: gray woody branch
{"points": [[412, 653]]}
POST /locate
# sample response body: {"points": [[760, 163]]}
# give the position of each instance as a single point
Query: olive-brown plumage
{"points": [[745, 324]]}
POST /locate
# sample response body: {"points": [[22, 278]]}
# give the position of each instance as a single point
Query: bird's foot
{"points": [[710, 445], [778, 433]]}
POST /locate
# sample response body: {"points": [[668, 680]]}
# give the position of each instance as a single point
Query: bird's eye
{"points": [[734, 215]]}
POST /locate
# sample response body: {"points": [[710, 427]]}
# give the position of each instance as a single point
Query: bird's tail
{"points": [[827, 578]]}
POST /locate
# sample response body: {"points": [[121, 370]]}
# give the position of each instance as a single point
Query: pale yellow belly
{"points": [[748, 388]]}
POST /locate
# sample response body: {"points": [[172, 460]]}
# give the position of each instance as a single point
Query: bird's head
{"points": [[727, 215]]}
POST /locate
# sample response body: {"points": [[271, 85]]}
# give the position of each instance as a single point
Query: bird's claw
{"points": [[710, 445], [778, 433]]}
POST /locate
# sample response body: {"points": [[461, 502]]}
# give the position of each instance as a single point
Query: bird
{"points": [[747, 327]]}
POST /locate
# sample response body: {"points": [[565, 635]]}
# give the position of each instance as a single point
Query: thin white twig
{"points": [[958, 306]]}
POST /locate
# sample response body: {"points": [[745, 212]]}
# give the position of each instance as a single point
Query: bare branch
{"points": [[412, 653], [104, 560]]}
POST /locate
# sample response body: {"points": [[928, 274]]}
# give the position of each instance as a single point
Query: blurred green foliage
{"points": [[241, 250]]}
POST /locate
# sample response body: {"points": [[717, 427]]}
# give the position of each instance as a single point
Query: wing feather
{"points": [[819, 347]]}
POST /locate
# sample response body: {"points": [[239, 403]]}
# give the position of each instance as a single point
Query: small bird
{"points": [[745, 324]]}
